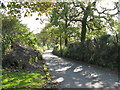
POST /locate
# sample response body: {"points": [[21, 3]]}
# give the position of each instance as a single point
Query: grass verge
{"points": [[26, 79]]}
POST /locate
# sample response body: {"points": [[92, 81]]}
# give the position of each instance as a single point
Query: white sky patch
{"points": [[34, 24], [107, 3], [119, 12]]}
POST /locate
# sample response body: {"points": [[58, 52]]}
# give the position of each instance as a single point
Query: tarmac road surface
{"points": [[73, 74]]}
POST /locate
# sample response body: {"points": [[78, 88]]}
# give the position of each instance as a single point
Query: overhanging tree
{"points": [[90, 17]]}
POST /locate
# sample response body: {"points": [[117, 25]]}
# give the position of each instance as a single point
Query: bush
{"points": [[101, 51]]}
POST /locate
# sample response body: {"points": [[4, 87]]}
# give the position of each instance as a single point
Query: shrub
{"points": [[100, 51]]}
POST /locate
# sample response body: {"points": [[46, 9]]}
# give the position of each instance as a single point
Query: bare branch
{"points": [[79, 6], [76, 20]]}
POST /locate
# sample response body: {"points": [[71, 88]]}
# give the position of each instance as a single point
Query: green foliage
{"points": [[101, 51], [63, 31], [16, 8], [20, 79], [14, 31], [97, 46], [49, 36]]}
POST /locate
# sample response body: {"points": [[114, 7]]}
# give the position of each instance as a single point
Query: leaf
{"points": [[39, 14]]}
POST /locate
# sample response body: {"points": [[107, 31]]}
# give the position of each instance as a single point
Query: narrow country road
{"points": [[73, 74]]}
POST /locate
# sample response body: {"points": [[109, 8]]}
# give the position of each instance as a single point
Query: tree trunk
{"points": [[84, 23], [60, 45], [66, 36], [66, 41], [43, 43], [83, 32]]}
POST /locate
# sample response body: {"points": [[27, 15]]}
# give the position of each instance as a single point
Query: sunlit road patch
{"points": [[73, 74]]}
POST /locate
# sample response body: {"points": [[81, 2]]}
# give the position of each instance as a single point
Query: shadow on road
{"points": [[72, 74]]}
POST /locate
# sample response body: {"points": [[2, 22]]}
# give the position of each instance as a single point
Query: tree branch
{"points": [[90, 28], [79, 6], [76, 20]]}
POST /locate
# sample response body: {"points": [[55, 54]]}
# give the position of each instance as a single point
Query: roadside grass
{"points": [[22, 79]]}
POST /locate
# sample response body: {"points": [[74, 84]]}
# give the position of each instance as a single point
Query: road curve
{"points": [[73, 74]]}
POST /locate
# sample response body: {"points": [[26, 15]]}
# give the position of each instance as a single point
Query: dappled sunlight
{"points": [[48, 52], [83, 38], [116, 84], [23, 79], [91, 75], [96, 79], [84, 73], [49, 55], [67, 85], [72, 74], [53, 64], [78, 69], [94, 75], [60, 79], [78, 84], [74, 78], [63, 69], [95, 85]]}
